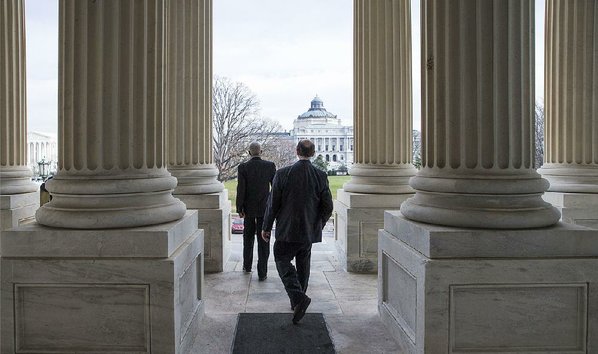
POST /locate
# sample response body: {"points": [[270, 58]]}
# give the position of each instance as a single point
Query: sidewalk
{"points": [[348, 301]]}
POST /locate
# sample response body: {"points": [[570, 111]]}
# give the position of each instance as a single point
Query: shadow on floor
{"points": [[348, 302]]}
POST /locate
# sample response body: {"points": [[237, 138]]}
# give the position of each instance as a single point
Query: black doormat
{"points": [[260, 333]]}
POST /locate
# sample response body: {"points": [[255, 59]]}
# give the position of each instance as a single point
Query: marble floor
{"points": [[348, 302]]}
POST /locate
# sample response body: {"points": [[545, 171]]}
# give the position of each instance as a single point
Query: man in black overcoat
{"points": [[254, 180], [301, 204]]}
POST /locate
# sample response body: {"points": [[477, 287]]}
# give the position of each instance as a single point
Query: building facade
{"points": [[334, 141], [42, 146]]}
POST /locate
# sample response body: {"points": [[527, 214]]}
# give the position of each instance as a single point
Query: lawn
{"points": [[336, 182]]}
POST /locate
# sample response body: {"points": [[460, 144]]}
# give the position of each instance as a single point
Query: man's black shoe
{"points": [[246, 271], [263, 278], [300, 309]]}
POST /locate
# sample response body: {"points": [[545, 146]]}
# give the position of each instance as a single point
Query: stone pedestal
{"points": [[17, 209], [214, 210], [358, 217], [136, 290], [451, 290], [576, 208]]}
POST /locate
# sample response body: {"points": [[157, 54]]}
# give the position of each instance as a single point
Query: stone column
{"points": [[189, 114], [18, 197], [474, 253], [477, 121], [571, 109], [382, 128], [120, 267], [112, 163]]}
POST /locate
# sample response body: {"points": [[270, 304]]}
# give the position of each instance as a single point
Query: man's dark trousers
{"points": [[295, 280], [250, 226]]}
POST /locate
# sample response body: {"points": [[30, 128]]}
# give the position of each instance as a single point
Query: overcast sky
{"points": [[285, 51]]}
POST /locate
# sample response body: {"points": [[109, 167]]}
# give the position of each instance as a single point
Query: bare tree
{"points": [[236, 123], [417, 153], [539, 135], [280, 150]]}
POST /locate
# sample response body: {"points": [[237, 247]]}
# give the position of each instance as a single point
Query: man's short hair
{"points": [[255, 149], [306, 148]]}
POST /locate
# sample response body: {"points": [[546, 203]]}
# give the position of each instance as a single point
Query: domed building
{"points": [[334, 142]]}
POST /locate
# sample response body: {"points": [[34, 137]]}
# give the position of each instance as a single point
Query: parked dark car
{"points": [[237, 226]]}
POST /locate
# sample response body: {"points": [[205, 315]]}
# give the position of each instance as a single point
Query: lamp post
{"points": [[43, 165]]}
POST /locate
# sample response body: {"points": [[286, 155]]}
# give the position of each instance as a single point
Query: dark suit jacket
{"points": [[300, 202], [254, 180]]}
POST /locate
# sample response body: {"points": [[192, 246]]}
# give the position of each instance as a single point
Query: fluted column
{"points": [[571, 97], [15, 176], [382, 97], [112, 163], [189, 97], [477, 119]]}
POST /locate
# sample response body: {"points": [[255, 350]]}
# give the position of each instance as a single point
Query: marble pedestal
{"points": [[17, 209], [448, 290], [214, 211], [576, 208], [136, 290], [358, 217]]}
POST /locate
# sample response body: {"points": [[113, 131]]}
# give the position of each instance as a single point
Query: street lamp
{"points": [[43, 168]]}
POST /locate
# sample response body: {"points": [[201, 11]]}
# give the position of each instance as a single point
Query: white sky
{"points": [[285, 51]]}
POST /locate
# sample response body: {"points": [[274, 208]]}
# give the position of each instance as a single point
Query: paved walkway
{"points": [[348, 302]]}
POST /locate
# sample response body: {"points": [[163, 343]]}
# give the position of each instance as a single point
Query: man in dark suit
{"points": [[301, 203], [254, 180]]}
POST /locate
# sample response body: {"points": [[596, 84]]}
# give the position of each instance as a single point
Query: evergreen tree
{"points": [[320, 164]]}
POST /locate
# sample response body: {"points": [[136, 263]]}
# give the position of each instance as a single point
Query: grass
{"points": [[231, 186], [336, 182]]}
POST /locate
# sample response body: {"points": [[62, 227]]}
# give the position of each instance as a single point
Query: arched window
{"points": [[327, 158], [334, 158]]}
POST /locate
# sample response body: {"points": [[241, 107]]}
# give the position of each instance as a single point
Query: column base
{"points": [[196, 179], [571, 178], [17, 209], [136, 290], [480, 201], [111, 201], [380, 179], [16, 180], [453, 290], [214, 211], [358, 217], [576, 208]]}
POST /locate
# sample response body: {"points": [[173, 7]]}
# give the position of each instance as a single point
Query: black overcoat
{"points": [[254, 180], [300, 202]]}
